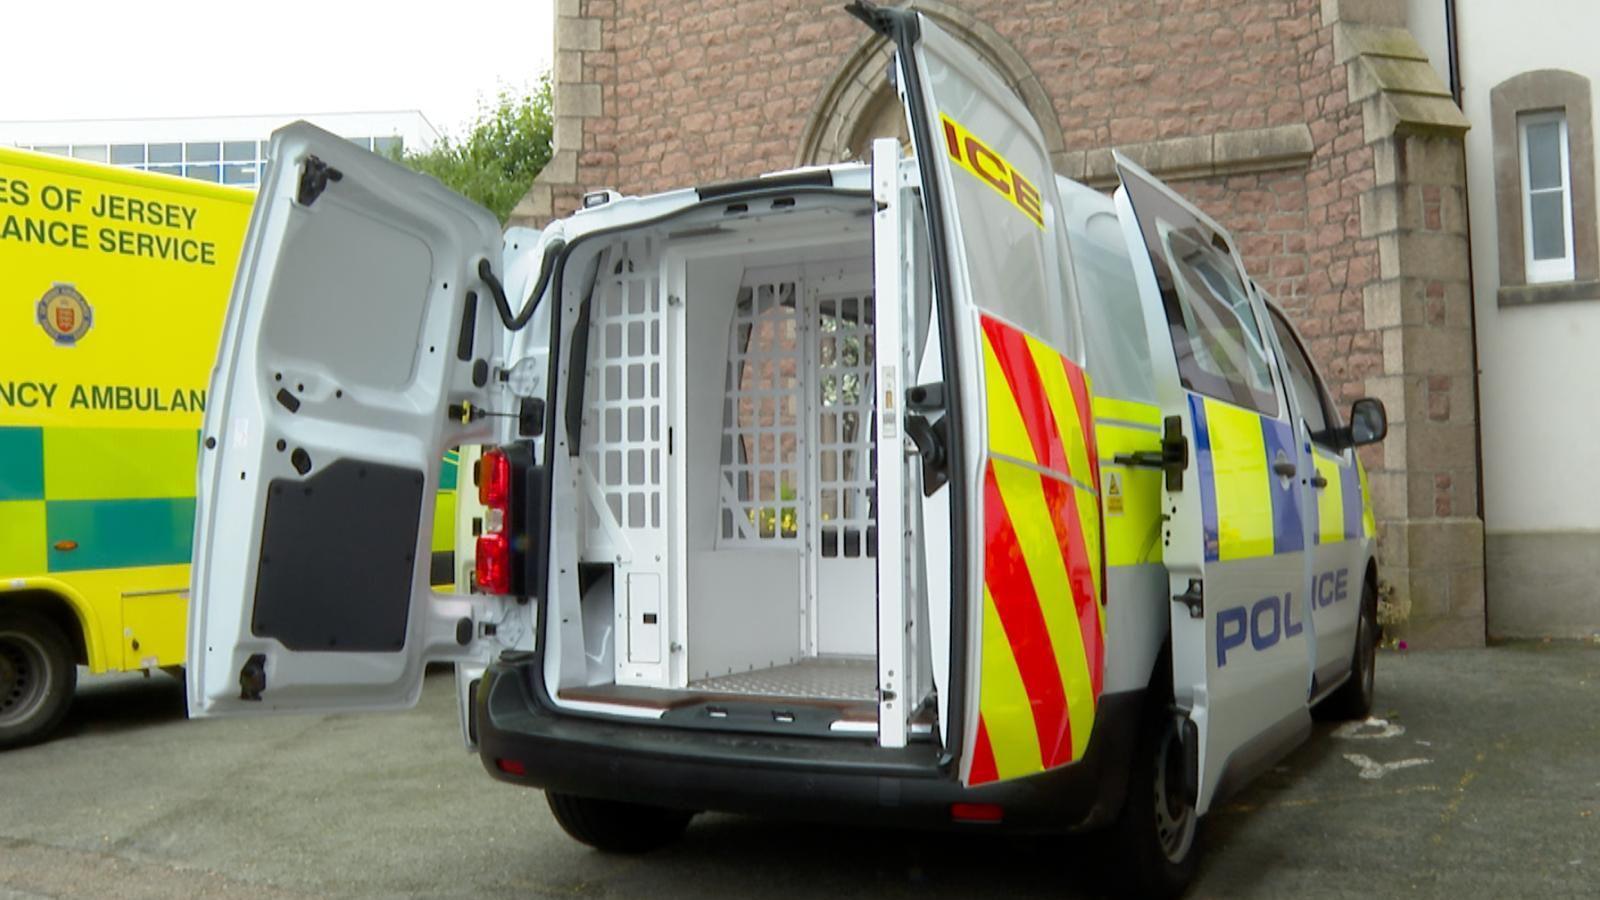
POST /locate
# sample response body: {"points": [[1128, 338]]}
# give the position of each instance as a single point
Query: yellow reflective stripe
{"points": [[1089, 516], [1127, 411], [1058, 393], [119, 463], [1041, 551], [1239, 467], [22, 538], [1369, 522], [1132, 508], [444, 522], [1330, 501], [1064, 408], [1008, 434], [1003, 701]]}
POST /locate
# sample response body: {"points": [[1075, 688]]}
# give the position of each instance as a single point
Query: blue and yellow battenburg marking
{"points": [[1340, 509], [1246, 509]]}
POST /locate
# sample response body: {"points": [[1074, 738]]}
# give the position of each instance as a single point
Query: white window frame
{"points": [[1545, 271]]}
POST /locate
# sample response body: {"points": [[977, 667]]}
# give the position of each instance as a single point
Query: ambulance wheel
{"points": [[37, 677], [1353, 699], [617, 827], [1153, 840]]}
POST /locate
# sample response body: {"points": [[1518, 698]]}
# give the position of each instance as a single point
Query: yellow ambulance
{"points": [[113, 284]]}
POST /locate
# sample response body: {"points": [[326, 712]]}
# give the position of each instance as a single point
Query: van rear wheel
{"points": [[1153, 842], [617, 827], [37, 677]]}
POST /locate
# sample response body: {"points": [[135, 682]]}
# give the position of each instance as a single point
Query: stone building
{"points": [[1318, 131]]}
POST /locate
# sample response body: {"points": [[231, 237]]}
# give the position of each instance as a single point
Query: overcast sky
{"points": [[102, 60]]}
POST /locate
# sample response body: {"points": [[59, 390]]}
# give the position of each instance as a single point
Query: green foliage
{"points": [[501, 154]]}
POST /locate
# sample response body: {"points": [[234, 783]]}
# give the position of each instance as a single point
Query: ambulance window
{"points": [[1310, 397]]}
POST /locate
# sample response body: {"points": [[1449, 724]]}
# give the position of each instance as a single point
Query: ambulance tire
{"points": [[1353, 699], [37, 677], [613, 826], [1153, 843]]}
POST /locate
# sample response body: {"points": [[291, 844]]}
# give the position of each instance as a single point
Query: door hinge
{"points": [[1194, 598], [314, 178]]}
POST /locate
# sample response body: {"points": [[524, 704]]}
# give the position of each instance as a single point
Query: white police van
{"points": [[939, 491]]}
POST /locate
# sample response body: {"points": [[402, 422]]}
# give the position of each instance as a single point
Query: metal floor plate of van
{"points": [[822, 679]]}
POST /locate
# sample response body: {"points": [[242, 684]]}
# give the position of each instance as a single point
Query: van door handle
{"points": [[1318, 482], [1284, 467]]}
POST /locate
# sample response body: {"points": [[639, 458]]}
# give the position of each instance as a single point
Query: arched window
{"points": [[860, 103]]}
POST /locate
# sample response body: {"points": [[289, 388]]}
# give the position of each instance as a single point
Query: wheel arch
{"points": [[66, 609]]}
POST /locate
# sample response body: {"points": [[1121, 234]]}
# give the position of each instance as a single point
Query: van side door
{"points": [[1332, 487], [1233, 540]]}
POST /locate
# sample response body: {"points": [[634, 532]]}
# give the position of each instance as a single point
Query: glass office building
{"points": [[226, 150]]}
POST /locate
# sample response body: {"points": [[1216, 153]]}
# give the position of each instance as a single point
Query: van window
{"points": [[1309, 394], [1003, 211], [1117, 344], [1219, 331], [1214, 331]]}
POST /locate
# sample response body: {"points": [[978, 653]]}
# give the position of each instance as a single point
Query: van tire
{"points": [[1154, 842], [617, 827], [1353, 699], [37, 677]]}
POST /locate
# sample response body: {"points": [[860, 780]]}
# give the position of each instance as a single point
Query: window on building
{"points": [[1549, 242], [127, 154], [1546, 196]]}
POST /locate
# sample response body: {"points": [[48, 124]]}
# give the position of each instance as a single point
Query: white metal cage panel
{"points": [[842, 441], [623, 443], [763, 497]]}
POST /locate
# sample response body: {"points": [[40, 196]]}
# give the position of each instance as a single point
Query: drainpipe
{"points": [[1453, 51]]}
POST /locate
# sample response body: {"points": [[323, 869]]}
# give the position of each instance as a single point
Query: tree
{"points": [[502, 153]]}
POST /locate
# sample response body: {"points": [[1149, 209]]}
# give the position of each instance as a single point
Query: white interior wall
{"points": [[744, 604]]}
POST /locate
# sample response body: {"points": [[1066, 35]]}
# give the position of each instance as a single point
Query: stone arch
{"points": [[860, 104]]}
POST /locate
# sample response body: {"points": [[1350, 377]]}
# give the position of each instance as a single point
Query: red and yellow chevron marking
{"points": [[1043, 627]]}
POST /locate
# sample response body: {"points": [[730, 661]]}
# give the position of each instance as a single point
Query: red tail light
{"points": [[494, 480], [494, 564], [511, 766], [976, 812]]}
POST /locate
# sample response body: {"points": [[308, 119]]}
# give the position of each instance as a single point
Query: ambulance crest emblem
{"points": [[64, 314]]}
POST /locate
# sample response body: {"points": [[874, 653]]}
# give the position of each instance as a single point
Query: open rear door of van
{"points": [[359, 334], [1011, 419]]}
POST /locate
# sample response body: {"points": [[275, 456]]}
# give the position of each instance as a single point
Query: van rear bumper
{"points": [[821, 779]]}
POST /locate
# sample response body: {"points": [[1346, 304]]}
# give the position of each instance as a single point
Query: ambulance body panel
{"points": [[933, 491], [115, 284]]}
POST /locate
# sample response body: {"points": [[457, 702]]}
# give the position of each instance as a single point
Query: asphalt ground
{"points": [[1483, 780]]}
